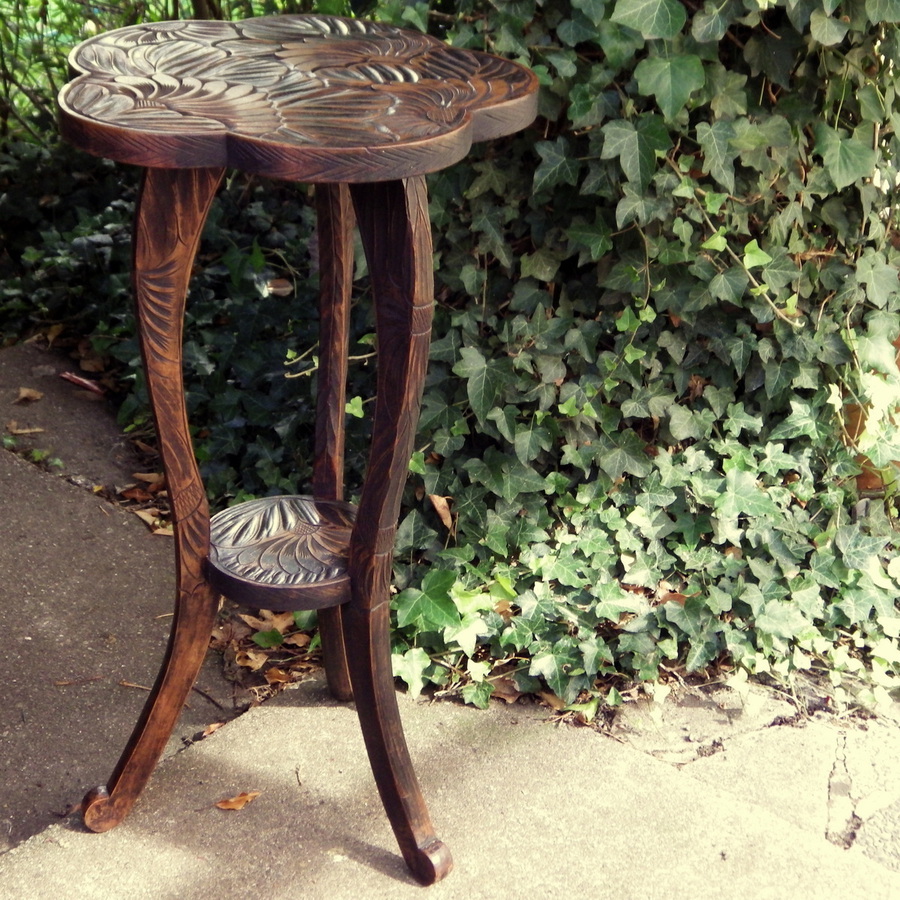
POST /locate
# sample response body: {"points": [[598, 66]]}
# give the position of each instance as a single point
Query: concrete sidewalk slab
{"points": [[85, 601], [528, 808]]}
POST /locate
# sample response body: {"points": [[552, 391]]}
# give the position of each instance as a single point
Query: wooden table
{"points": [[364, 111]]}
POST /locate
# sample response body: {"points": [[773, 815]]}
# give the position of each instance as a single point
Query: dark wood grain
{"points": [[170, 214], [334, 218], [305, 98], [394, 225]]}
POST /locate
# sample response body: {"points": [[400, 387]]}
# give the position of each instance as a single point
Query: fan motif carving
{"points": [[285, 541], [283, 90]]}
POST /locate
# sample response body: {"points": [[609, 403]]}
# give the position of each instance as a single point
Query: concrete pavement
{"points": [[706, 794]]}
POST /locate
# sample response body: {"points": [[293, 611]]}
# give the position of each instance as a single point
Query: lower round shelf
{"points": [[282, 553]]}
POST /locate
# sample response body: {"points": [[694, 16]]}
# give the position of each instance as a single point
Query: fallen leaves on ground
{"points": [[265, 670], [239, 801]]}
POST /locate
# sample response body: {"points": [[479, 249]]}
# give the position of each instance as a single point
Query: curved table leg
{"points": [[396, 234], [171, 211], [335, 226]]}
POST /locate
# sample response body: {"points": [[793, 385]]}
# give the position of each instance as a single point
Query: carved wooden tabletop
{"points": [[305, 98]]}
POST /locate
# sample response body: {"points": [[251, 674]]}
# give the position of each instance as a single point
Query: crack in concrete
{"points": [[843, 821]]}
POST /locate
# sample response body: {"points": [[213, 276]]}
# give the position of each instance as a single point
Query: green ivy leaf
{"points": [[857, 548], [268, 639], [595, 10], [718, 153], [671, 80], [626, 454], [484, 379], [557, 165], [636, 144], [754, 256], [880, 11], [826, 29], [743, 495], [411, 667], [711, 23], [430, 608], [846, 159], [652, 18]]}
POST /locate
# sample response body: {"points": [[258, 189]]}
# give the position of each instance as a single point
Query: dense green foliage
{"points": [[660, 312]]}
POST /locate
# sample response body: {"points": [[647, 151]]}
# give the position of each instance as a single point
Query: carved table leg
{"points": [[335, 225], [171, 211], [396, 234]]}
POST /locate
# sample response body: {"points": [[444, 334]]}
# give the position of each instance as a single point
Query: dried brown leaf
{"points": [[28, 395], [251, 659], [136, 493], [552, 700], [270, 621], [503, 608], [148, 477], [212, 729], [442, 508], [239, 801], [505, 689], [13, 428], [278, 676], [298, 640]]}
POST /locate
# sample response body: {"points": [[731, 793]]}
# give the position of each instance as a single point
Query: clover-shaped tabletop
{"points": [[307, 98]]}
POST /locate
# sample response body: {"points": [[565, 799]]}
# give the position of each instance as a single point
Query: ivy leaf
{"points": [[711, 23], [652, 18], [554, 665], [431, 608], [484, 380], [576, 30], [593, 9], [671, 80], [557, 165], [411, 667], [804, 420], [826, 29], [625, 456], [595, 238], [755, 256], [742, 494], [718, 152], [857, 548], [636, 145], [784, 619], [530, 440], [505, 476], [730, 286], [846, 159], [880, 11]]}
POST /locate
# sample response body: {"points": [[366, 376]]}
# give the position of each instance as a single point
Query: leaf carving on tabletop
{"points": [[317, 81]]}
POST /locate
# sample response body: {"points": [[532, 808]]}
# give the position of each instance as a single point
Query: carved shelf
{"points": [[282, 553]]}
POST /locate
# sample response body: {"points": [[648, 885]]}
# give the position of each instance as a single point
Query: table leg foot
{"points": [[366, 631], [431, 863], [98, 812]]}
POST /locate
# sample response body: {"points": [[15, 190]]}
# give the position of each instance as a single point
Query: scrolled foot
{"points": [[98, 812], [431, 862]]}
